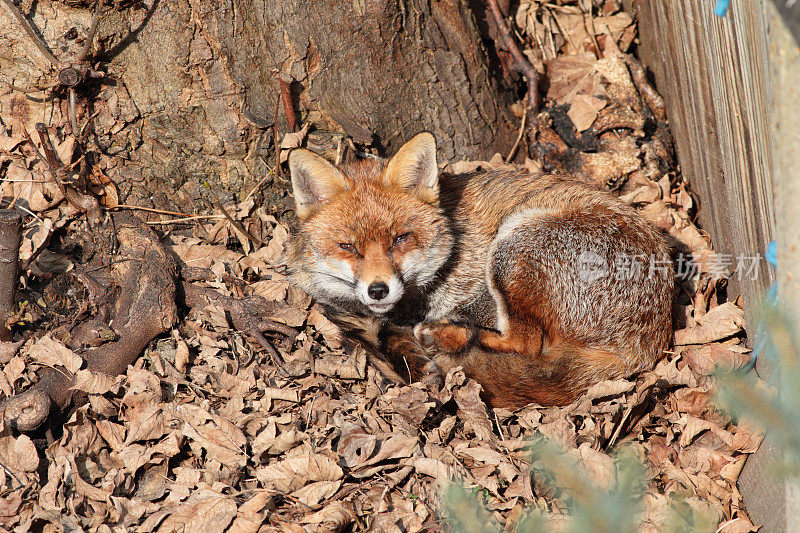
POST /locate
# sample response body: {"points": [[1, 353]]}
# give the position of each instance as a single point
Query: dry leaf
{"points": [[293, 140], [719, 323], [472, 411], [251, 513], [221, 440], [584, 109], [50, 352], [205, 510], [571, 76], [18, 454], [92, 382], [294, 473]]}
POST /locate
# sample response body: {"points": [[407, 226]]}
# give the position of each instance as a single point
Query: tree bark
{"points": [[378, 70]]}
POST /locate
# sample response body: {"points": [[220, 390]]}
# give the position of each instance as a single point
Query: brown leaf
{"points": [[720, 322], [92, 382], [205, 510], [609, 389], [9, 508], [293, 140], [442, 472], [251, 513], [747, 438], [584, 109], [693, 402], [472, 411], [412, 403], [329, 330], [50, 352], [294, 473], [333, 517], [221, 440], [360, 450], [571, 76], [599, 466], [342, 366], [315, 492], [272, 253], [18, 454], [274, 291], [482, 454]]}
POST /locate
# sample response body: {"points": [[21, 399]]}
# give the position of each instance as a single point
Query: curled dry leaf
{"points": [[18, 454], [442, 472], [719, 323], [709, 358], [599, 466], [92, 382], [472, 410], [342, 366], [315, 492], [251, 514], [205, 510], [359, 450], [584, 109], [293, 140], [609, 389], [220, 439], [50, 352], [294, 473], [571, 76], [333, 517], [329, 331]]}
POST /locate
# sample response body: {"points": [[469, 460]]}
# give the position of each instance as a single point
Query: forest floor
{"points": [[210, 430]]}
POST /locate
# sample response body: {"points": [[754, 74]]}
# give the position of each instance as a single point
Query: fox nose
{"points": [[378, 290]]}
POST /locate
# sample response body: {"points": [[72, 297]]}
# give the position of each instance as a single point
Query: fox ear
{"points": [[314, 181], [414, 167]]}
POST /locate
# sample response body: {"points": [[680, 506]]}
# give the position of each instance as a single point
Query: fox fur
{"points": [[538, 286]]}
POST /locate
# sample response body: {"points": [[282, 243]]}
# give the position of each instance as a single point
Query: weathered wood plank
{"points": [[732, 87], [714, 75], [785, 77]]}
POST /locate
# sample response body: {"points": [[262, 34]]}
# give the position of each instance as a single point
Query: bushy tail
{"points": [[580, 367], [556, 376]]}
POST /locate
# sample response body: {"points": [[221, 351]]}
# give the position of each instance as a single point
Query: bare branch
{"points": [[92, 31], [26, 25], [521, 63]]}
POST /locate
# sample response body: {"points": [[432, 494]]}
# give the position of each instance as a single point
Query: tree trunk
{"points": [[378, 70], [194, 90]]}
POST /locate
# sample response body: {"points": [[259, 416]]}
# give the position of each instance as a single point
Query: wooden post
{"points": [[732, 87], [785, 78]]}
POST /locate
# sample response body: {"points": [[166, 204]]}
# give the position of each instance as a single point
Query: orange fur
{"points": [[512, 276]]}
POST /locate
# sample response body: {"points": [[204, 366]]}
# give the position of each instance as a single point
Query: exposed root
{"points": [[139, 302]]}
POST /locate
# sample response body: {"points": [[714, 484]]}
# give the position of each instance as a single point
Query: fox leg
{"points": [[443, 336]]}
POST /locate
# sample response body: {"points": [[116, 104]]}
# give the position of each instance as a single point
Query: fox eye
{"points": [[347, 246], [400, 238]]}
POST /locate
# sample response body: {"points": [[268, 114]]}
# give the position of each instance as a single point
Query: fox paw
{"points": [[443, 337], [432, 376]]}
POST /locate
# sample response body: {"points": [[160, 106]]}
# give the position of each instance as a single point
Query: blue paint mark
{"points": [[721, 8], [771, 300]]}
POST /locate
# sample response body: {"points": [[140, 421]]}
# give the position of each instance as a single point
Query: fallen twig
{"points": [[521, 132], [10, 237], [521, 63], [23, 21], [255, 240]]}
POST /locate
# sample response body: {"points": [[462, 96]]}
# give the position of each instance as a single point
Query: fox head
{"points": [[371, 230]]}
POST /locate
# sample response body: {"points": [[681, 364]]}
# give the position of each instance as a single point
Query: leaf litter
{"points": [[206, 432]]}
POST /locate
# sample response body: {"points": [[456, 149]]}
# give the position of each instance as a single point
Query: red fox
{"points": [[538, 286]]}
